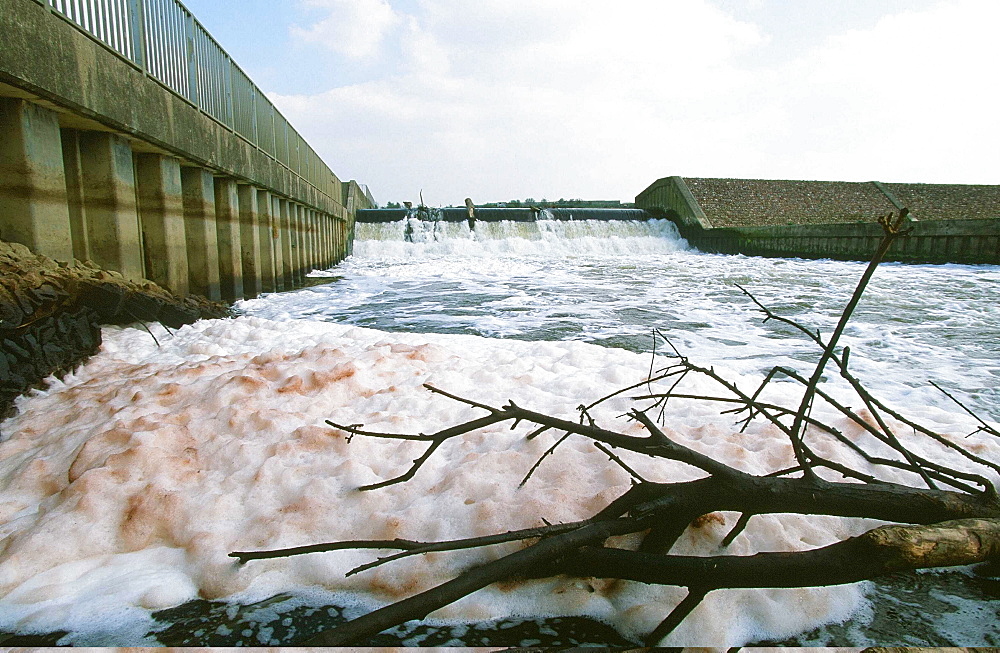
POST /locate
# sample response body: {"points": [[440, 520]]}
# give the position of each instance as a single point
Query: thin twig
{"points": [[463, 400], [985, 427], [538, 463], [621, 463]]}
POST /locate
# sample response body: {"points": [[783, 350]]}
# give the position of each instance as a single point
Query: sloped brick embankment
{"points": [[51, 315], [766, 202]]}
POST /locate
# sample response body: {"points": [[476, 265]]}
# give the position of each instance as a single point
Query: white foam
{"points": [[545, 237], [150, 464], [915, 322]]}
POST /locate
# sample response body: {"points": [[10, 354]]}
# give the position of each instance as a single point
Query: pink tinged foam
{"points": [[154, 463]]}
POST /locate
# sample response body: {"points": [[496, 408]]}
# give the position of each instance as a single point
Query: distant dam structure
{"points": [[501, 214], [414, 237], [948, 223], [423, 224]]}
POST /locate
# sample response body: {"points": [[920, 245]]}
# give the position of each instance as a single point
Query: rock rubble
{"points": [[51, 315]]}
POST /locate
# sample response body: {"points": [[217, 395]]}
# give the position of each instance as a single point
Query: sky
{"points": [[510, 99]]}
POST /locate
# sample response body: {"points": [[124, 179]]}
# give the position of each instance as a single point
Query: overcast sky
{"points": [[504, 99]]}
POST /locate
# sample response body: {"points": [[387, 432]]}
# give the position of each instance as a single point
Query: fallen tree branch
{"points": [[513, 565], [884, 550], [410, 547]]}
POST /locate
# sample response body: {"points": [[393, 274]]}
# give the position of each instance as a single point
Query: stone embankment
{"points": [[949, 201], [764, 202], [51, 315]]}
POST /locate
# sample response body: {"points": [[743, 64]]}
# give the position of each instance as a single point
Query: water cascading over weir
{"points": [[452, 214], [423, 214]]}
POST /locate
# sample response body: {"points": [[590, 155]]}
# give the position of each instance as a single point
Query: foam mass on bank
{"points": [[126, 485]]}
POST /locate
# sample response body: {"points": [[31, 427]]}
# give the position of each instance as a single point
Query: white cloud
{"points": [[908, 100], [578, 98], [353, 28]]}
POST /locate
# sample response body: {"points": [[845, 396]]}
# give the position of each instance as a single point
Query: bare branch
{"points": [[463, 400], [621, 463], [538, 463], [984, 426], [513, 565]]}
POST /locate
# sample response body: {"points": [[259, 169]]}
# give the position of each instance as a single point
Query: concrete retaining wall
{"points": [[843, 236], [103, 157], [944, 241]]}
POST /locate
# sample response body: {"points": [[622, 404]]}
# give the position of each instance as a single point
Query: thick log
{"points": [[881, 551]]}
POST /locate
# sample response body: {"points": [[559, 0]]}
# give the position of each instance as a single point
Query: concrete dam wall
{"points": [[491, 214], [130, 139], [951, 223]]}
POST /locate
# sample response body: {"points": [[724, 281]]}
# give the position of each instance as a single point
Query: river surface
{"points": [[611, 283], [125, 485]]}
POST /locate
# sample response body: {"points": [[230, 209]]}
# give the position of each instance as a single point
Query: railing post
{"points": [[192, 59], [137, 22], [228, 82], [253, 112]]}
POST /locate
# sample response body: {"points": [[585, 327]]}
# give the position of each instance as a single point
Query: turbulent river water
{"points": [[611, 283], [125, 486]]}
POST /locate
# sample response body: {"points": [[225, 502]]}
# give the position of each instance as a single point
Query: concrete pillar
{"points": [[277, 239], [342, 238], [227, 226], [333, 239], [313, 241], [307, 240], [318, 240], [304, 254], [265, 241], [288, 262], [310, 240], [295, 229], [161, 215], [324, 238], [317, 243], [337, 253], [320, 224], [250, 239], [73, 170], [32, 184], [109, 203], [303, 242], [199, 225], [327, 245], [331, 223]]}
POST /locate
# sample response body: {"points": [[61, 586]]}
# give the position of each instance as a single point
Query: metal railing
{"points": [[164, 39], [368, 195]]}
